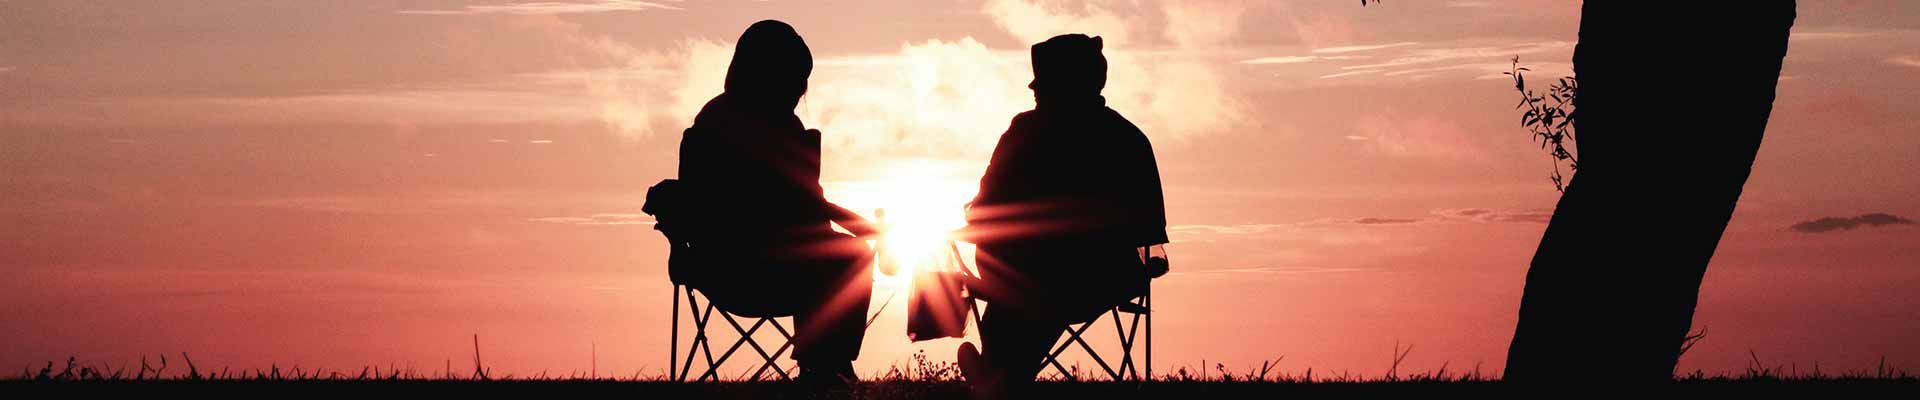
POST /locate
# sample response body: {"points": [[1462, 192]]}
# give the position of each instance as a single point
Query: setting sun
{"points": [[920, 202]]}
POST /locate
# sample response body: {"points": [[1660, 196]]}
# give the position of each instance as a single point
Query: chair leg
{"points": [[700, 341], [1073, 337], [771, 362], [746, 336], [673, 341], [1095, 355], [1126, 344], [679, 369], [1128, 334], [1147, 300]]}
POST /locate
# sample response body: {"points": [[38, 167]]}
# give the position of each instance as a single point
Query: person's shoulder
{"points": [[1114, 117], [1026, 117], [1120, 122], [717, 110], [1023, 123]]}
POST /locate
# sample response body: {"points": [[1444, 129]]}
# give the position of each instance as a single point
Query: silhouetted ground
{"points": [[1829, 388]]}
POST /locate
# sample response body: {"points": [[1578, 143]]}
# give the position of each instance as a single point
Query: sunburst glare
{"points": [[920, 202]]}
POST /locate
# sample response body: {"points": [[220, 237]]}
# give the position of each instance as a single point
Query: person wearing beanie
{"points": [[1070, 195]]}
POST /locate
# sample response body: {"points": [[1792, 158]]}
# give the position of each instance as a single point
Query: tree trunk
{"points": [[1674, 98]]}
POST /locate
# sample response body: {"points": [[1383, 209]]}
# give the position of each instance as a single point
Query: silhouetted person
{"points": [[1071, 194], [759, 237]]}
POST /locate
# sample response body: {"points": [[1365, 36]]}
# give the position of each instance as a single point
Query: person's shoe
{"points": [[836, 377], [973, 367], [969, 359]]}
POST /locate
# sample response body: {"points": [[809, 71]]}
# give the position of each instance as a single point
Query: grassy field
{"points": [[923, 381], [1830, 388]]}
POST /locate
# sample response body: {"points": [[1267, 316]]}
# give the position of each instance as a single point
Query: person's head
{"points": [[770, 67], [1068, 66]]}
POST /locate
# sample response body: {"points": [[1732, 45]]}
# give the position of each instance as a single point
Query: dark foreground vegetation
{"points": [[1822, 388], [925, 381]]}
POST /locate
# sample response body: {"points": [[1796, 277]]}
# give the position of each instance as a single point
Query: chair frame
{"points": [[1129, 333], [678, 370]]}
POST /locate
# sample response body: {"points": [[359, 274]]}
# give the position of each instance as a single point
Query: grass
{"points": [[920, 378]]}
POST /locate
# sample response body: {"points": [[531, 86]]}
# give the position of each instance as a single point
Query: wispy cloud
{"points": [[1415, 61], [551, 7], [1830, 224], [1268, 271], [1909, 60], [1280, 60], [1419, 136], [598, 219], [1295, 59], [1436, 55], [1832, 35], [1228, 229], [1351, 49], [1349, 73], [6, 69], [1538, 216]]}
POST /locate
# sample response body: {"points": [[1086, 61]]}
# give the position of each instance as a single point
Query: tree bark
{"points": [[1674, 99]]}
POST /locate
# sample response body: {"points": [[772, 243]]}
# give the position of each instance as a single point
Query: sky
{"points": [[373, 183]]}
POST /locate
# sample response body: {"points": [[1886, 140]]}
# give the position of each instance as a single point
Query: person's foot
{"points": [[834, 376], [973, 367]]}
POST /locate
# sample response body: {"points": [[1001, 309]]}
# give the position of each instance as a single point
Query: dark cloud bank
{"points": [[1830, 224]]}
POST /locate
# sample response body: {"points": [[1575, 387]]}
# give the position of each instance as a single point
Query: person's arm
{"points": [[848, 219], [999, 173], [852, 221], [987, 215], [1152, 217]]}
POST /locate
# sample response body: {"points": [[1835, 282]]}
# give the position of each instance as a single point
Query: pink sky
{"points": [[369, 183]]}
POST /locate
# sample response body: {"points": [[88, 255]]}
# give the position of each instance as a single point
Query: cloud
{"points": [[1416, 137], [1836, 35], [1257, 229], [1352, 49], [1267, 271], [1830, 224], [1907, 60], [1436, 55], [1242, 229], [6, 69], [29, 193], [1280, 60], [1537, 216], [941, 98], [1174, 91], [550, 7], [492, 102], [1482, 60], [1349, 73], [1384, 221], [598, 219]]}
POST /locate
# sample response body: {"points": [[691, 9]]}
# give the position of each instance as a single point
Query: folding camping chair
{"points": [[701, 316], [1130, 332], [1139, 308], [678, 370], [666, 201]]}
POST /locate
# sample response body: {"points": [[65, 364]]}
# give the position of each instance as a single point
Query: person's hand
{"points": [[865, 230]]}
